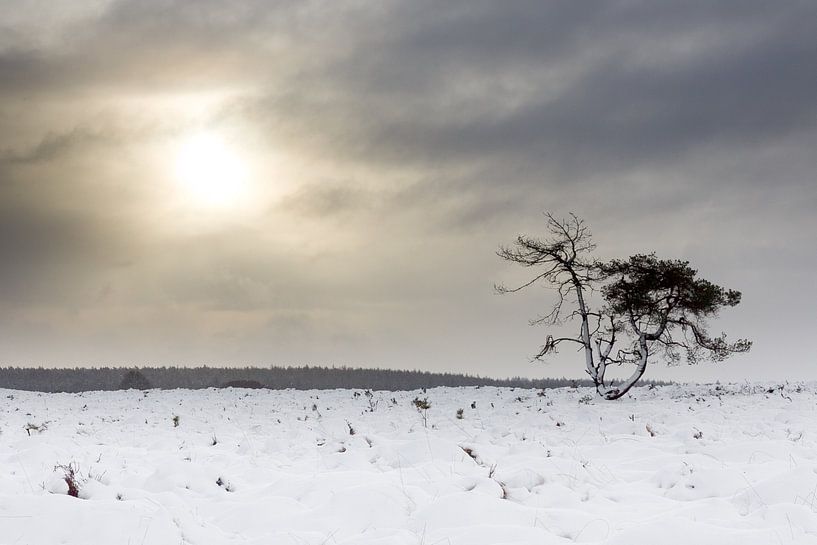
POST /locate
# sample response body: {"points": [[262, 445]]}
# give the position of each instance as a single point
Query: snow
{"points": [[734, 464]]}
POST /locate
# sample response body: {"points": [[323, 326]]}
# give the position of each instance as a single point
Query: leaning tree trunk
{"points": [[585, 334], [641, 366], [596, 372], [604, 360]]}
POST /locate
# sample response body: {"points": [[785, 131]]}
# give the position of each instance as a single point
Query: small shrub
{"points": [[72, 477], [422, 406], [226, 485], [372, 401], [39, 428]]}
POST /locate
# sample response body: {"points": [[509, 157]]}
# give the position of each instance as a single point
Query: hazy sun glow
{"points": [[210, 172]]}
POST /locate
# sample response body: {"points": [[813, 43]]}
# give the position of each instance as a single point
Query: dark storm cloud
{"points": [[756, 82]]}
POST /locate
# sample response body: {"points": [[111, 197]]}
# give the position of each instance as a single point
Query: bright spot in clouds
{"points": [[210, 172]]}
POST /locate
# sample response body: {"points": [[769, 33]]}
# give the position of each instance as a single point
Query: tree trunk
{"points": [[641, 366], [585, 332]]}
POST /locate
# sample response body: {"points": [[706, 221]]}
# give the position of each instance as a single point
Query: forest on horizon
{"points": [[79, 379]]}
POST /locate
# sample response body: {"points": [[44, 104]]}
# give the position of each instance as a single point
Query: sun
{"points": [[210, 172]]}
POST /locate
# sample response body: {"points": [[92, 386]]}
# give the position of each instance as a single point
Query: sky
{"points": [[327, 182]]}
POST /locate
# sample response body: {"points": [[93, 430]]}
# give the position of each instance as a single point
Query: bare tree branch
{"points": [[573, 273]]}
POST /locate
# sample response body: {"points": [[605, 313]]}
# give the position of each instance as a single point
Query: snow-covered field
{"points": [[674, 465]]}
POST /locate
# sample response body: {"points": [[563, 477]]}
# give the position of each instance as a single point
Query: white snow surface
{"points": [[720, 465]]}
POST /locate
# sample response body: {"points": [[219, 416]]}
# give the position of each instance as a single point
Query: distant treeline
{"points": [[301, 378]]}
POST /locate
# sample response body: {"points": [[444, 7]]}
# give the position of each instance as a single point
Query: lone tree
{"points": [[646, 301], [663, 303], [569, 267]]}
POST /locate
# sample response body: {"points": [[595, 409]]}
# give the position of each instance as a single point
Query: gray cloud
{"points": [[57, 258], [604, 86]]}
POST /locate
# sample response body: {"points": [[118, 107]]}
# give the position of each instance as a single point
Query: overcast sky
{"points": [[383, 151]]}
